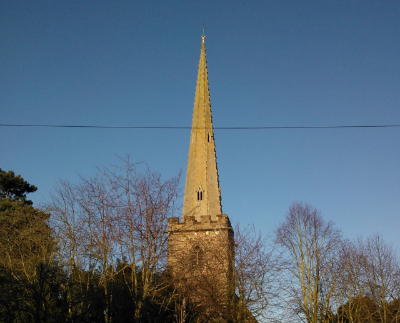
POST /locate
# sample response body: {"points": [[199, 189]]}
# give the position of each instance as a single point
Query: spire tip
{"points": [[203, 36]]}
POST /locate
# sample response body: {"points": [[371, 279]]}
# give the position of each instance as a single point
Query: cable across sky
{"points": [[215, 128]]}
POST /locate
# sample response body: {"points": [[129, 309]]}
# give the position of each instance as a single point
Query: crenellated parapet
{"points": [[203, 223]]}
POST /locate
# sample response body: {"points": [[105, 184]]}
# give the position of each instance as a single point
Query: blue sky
{"points": [[270, 63]]}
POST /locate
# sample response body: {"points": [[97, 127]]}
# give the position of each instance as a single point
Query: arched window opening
{"points": [[199, 194], [197, 256]]}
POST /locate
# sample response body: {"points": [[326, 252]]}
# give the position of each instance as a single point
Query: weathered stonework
{"points": [[200, 254]]}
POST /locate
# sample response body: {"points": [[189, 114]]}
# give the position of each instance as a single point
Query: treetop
{"points": [[14, 186]]}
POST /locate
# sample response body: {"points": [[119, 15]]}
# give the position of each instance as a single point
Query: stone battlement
{"points": [[205, 223]]}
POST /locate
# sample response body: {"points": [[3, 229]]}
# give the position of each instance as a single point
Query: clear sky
{"points": [[270, 63]]}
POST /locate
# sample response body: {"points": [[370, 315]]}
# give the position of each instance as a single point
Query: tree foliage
{"points": [[28, 289], [14, 186]]}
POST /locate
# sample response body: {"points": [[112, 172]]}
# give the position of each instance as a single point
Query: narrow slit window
{"points": [[199, 195], [197, 256]]}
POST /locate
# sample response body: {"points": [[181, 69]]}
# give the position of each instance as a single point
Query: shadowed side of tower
{"points": [[200, 248]]}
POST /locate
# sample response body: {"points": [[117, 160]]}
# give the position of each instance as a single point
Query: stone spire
{"points": [[202, 192]]}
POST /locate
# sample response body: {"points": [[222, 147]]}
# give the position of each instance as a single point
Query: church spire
{"points": [[202, 192]]}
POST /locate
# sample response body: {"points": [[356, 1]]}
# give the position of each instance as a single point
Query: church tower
{"points": [[200, 247]]}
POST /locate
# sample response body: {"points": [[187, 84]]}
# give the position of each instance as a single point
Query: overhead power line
{"points": [[216, 128]]}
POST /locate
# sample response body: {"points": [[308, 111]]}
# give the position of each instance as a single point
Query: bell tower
{"points": [[200, 246]]}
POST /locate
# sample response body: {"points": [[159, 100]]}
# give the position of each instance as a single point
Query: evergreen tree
{"points": [[29, 278], [14, 187]]}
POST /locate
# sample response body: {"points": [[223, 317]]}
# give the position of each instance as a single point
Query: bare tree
{"points": [[369, 286], [311, 248], [351, 304], [83, 219], [382, 273], [112, 226], [68, 226], [255, 275], [145, 204]]}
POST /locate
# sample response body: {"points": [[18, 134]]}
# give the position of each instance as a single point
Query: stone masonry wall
{"points": [[200, 258]]}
